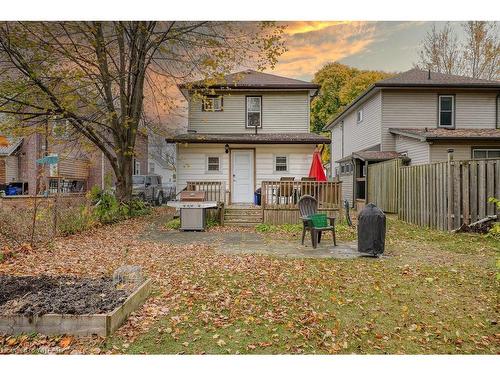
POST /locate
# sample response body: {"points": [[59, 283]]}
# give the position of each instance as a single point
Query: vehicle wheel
{"points": [[159, 202], [142, 197]]}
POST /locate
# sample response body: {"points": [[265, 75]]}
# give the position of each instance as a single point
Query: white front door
{"points": [[243, 176]]}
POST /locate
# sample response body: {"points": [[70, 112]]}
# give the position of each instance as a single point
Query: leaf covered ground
{"points": [[434, 293]]}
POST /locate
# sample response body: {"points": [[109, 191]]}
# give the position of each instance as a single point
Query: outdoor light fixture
{"points": [[226, 148]]}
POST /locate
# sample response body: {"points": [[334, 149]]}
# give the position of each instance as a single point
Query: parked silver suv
{"points": [[148, 188]]}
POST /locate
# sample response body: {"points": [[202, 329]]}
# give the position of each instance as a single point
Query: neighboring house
{"points": [[253, 127], [161, 158], [78, 168], [418, 114]]}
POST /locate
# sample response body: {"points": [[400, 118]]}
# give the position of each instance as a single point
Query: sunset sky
{"points": [[390, 46]]}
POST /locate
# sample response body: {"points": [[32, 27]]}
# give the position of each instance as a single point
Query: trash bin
{"points": [[11, 190], [257, 197], [371, 230]]}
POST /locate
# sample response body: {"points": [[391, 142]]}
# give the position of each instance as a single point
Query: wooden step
{"points": [[243, 214], [243, 219]]}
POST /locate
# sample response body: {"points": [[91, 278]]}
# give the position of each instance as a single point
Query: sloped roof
{"points": [[13, 144], [371, 156], [430, 134], [419, 78], [254, 79], [274, 138]]}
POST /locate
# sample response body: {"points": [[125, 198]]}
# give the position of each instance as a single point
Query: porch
{"points": [[278, 201]]}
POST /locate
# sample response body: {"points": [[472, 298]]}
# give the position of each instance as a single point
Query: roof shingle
{"points": [[253, 79], [273, 138], [429, 134]]}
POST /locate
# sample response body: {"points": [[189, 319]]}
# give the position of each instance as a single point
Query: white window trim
{"points": [[207, 171], [483, 149], [136, 167], [152, 164], [212, 98], [287, 163], [359, 119], [452, 126], [247, 111]]}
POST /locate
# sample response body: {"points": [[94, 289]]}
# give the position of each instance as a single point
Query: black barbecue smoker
{"points": [[371, 230]]}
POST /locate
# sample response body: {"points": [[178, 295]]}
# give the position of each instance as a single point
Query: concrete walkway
{"points": [[235, 242]]}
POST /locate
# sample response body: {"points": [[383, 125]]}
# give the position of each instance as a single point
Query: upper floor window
{"points": [[486, 153], [212, 103], [359, 116], [498, 112], [446, 111], [151, 167], [280, 164], [136, 167], [254, 112]]}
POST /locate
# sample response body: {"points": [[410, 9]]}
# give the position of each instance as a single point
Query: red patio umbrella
{"points": [[317, 169]]}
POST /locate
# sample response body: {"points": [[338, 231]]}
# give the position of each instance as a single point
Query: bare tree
{"points": [[477, 55], [441, 51], [482, 50], [98, 75]]}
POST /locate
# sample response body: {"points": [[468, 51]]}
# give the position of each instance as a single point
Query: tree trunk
{"points": [[124, 178]]}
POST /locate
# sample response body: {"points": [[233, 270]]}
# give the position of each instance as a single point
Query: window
{"points": [[213, 164], [151, 167], [446, 111], [359, 116], [254, 112], [280, 163], [486, 153], [346, 168], [136, 167], [212, 103]]}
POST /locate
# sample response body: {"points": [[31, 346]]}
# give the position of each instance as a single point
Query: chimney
{"points": [[429, 74]]}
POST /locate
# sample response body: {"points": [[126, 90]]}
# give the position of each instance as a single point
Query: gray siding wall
{"points": [[417, 151], [286, 112], [358, 136], [439, 152], [347, 187], [418, 109]]}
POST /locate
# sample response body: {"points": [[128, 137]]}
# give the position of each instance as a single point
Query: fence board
{"points": [[383, 182], [446, 195]]}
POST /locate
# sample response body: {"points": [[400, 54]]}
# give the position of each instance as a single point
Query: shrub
{"points": [[76, 221], [173, 224]]}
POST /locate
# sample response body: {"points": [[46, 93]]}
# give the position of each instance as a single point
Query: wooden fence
{"points": [[279, 199], [383, 185], [439, 195]]}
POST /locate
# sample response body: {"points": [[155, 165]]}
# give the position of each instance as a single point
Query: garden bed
{"points": [[65, 305]]}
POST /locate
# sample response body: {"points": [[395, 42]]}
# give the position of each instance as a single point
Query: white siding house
{"points": [[250, 128]]}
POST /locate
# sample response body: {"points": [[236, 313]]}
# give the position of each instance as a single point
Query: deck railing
{"points": [[214, 190], [286, 194]]}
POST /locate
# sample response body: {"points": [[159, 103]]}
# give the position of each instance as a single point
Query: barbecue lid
{"points": [[192, 196]]}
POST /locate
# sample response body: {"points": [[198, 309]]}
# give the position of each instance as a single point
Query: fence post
{"points": [[450, 189]]}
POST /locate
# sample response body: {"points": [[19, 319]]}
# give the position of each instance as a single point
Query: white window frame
{"points": [[487, 150], [219, 170], [215, 106], [136, 171], [359, 115], [247, 111], [287, 163], [151, 167], [452, 126]]}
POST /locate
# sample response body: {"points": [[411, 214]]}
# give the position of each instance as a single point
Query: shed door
{"points": [[243, 176]]}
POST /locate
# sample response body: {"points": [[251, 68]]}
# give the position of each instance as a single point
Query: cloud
{"points": [[313, 44]]}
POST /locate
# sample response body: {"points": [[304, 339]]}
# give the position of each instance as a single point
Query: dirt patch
{"points": [[38, 295]]}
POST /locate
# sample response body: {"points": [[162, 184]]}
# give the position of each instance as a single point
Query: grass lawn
{"points": [[434, 292]]}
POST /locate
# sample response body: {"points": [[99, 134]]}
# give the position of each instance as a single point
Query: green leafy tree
{"points": [[100, 76], [340, 84]]}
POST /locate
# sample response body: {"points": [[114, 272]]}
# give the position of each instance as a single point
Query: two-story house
{"points": [[254, 127], [418, 114]]}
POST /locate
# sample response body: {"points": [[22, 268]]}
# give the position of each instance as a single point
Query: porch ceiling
{"points": [[273, 138]]}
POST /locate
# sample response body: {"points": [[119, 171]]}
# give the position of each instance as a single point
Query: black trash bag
{"points": [[371, 230]]}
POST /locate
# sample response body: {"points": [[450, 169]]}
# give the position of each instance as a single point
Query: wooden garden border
{"points": [[77, 325]]}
